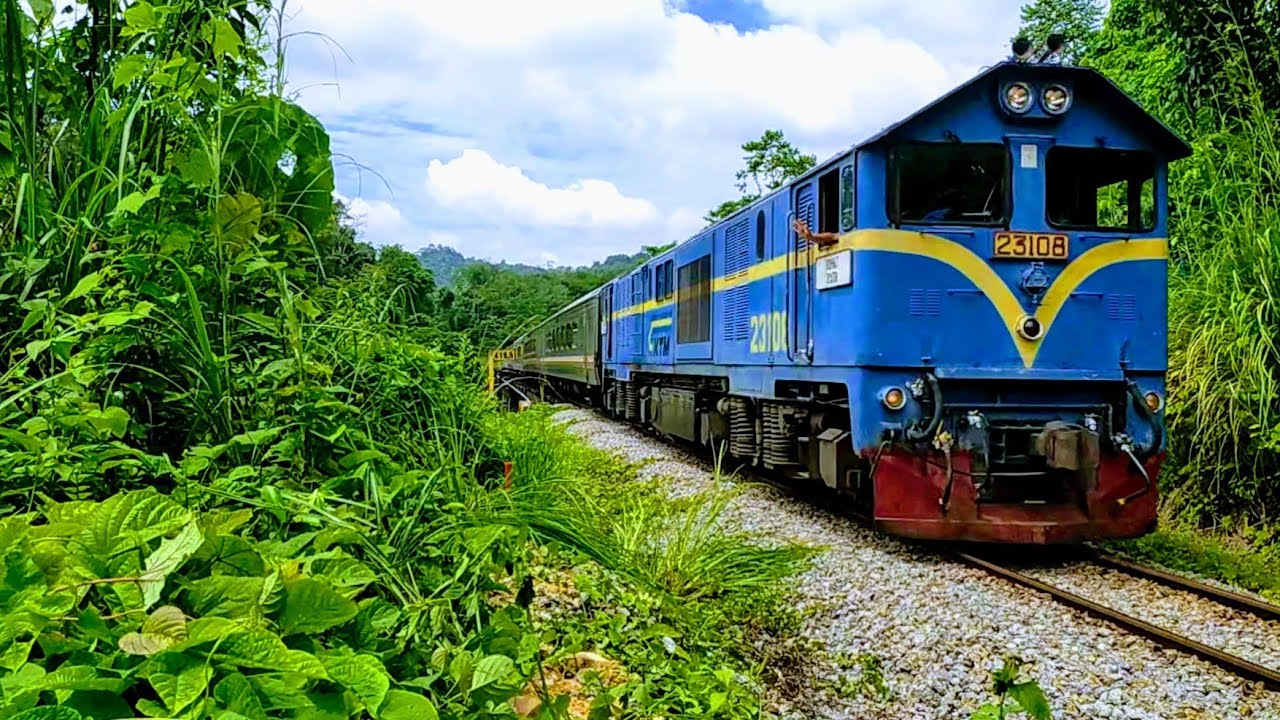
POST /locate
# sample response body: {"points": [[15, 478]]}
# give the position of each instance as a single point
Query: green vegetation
{"points": [[769, 163], [248, 470], [1013, 697], [1211, 72]]}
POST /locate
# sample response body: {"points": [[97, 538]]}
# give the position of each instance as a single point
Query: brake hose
{"points": [[912, 432]]}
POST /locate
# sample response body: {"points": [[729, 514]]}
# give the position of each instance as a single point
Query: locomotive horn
{"points": [[1053, 52], [1022, 49]]}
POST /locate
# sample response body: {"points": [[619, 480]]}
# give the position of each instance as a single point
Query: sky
{"points": [[559, 132]]}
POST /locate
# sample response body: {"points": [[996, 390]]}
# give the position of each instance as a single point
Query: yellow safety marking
{"points": [[968, 263]]}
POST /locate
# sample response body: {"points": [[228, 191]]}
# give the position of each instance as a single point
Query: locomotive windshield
{"points": [[1100, 189], [951, 183]]}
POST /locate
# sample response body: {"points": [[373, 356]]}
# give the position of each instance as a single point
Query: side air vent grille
{"points": [[737, 262], [926, 303], [1122, 307]]}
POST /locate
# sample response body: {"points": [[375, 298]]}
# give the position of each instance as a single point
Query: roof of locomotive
{"points": [[1095, 83]]}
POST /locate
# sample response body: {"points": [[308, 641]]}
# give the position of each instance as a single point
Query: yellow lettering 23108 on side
{"points": [[1034, 246], [769, 332]]}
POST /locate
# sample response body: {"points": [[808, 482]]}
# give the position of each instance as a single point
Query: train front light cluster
{"points": [[1018, 97]]}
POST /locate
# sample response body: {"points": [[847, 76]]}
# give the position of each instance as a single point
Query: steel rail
{"points": [[1233, 663], [1258, 607]]}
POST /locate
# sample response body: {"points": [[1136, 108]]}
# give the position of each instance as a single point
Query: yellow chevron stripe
{"points": [[975, 268]]}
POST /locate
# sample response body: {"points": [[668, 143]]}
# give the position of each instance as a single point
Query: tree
{"points": [[771, 162], [1079, 22]]}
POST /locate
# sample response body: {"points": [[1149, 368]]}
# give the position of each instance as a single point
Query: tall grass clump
{"points": [[1224, 376]]}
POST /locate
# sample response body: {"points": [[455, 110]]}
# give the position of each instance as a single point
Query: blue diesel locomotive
{"points": [[959, 323]]}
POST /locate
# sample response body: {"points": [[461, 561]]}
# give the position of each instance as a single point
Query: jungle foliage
{"points": [[1211, 71], [247, 470]]}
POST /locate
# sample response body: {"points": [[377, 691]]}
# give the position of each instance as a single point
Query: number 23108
{"points": [[769, 332]]}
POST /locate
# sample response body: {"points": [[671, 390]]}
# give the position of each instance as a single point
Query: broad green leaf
{"points": [[363, 675], [227, 596], [42, 10], [127, 519], [79, 677], [231, 555], [237, 694], [47, 712], [87, 284], [225, 39], [281, 692], [239, 217], [404, 705], [204, 630], [17, 637], [167, 558], [194, 167], [312, 606], [163, 629], [98, 704], [139, 18], [224, 522], [344, 572], [263, 650], [133, 202], [180, 690], [1032, 699], [492, 669], [128, 69], [25, 678], [113, 420]]}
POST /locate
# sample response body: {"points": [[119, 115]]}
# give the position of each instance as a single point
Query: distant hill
{"points": [[445, 263]]}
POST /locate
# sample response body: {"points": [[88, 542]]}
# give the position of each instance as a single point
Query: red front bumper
{"points": [[908, 494]]}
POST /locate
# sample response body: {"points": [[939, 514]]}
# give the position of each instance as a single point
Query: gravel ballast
{"points": [[939, 627]]}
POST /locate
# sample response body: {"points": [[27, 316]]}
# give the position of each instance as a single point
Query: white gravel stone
{"points": [[940, 627]]}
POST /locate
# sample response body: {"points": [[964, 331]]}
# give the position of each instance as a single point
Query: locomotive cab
{"points": [[1012, 280]]}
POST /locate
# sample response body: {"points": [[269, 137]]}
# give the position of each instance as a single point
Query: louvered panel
{"points": [[805, 211], [925, 303], [737, 310], [1123, 308], [737, 250]]}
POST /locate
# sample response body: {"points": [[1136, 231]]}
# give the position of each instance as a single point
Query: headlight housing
{"points": [[1017, 97], [1056, 99], [894, 398], [1154, 402]]}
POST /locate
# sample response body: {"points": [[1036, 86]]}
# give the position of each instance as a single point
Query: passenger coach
{"points": [[960, 322]]}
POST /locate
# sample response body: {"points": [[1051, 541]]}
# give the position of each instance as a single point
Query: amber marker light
{"points": [[1154, 402], [894, 398]]}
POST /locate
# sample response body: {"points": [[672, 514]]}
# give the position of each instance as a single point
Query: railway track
{"points": [[1233, 663]]}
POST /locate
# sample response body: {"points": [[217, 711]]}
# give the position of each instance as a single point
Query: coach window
{"points": [[1100, 189], [949, 183], [662, 282], [695, 302]]}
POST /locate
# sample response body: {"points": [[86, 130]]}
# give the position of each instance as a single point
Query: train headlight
{"points": [[1154, 402], [1056, 99], [1017, 97], [1030, 328], [894, 398]]}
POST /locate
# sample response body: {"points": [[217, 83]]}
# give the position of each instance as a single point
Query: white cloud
{"points": [[476, 182], [506, 122]]}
